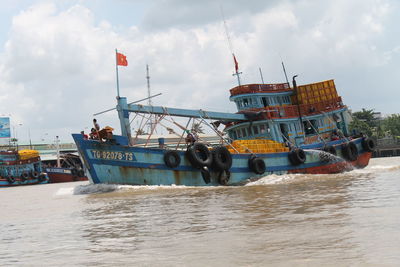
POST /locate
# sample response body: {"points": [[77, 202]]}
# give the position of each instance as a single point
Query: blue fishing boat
{"points": [[278, 129], [21, 167]]}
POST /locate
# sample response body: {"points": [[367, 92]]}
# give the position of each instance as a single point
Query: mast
{"points": [[116, 68], [262, 78], [58, 151], [148, 96], [237, 73], [284, 71]]}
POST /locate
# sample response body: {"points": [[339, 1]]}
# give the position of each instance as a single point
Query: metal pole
{"points": [[284, 71], [30, 140], [262, 78], [149, 98], [116, 68], [58, 151]]}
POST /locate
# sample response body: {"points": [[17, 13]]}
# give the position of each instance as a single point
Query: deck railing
{"points": [[292, 111], [259, 88]]}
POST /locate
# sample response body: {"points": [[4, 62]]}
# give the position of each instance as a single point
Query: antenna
{"points": [[148, 84], [284, 70], [237, 73], [262, 78], [149, 97]]}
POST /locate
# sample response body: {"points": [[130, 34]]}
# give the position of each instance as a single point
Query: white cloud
{"points": [[58, 65]]}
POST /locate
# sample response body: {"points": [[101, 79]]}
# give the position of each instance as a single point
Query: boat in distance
{"points": [[63, 168], [21, 167], [278, 129]]}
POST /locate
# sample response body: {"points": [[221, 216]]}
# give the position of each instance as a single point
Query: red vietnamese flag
{"points": [[121, 60], [236, 63]]}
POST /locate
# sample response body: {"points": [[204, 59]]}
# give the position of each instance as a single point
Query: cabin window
{"points": [[245, 102], [286, 99], [264, 128], [244, 133], [255, 129], [239, 133], [233, 135], [264, 101], [310, 126]]}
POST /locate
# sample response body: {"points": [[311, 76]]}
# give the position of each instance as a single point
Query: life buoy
{"points": [[297, 156], [368, 144], [35, 174], [172, 159], [350, 151], [223, 177], [199, 155], [257, 165], [205, 173], [222, 159], [330, 149], [10, 179], [24, 176]]}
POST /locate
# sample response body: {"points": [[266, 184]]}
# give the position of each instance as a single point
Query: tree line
{"points": [[366, 122]]}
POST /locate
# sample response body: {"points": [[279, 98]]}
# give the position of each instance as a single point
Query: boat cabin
{"points": [[301, 115]]}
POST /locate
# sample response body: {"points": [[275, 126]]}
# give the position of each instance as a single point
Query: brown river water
{"points": [[348, 219]]}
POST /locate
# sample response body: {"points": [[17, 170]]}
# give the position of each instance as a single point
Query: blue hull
{"points": [[122, 164]]}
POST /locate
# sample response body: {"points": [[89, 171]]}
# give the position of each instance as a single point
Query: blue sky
{"points": [[57, 57]]}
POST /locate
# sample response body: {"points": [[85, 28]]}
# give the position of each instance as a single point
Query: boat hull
{"points": [[18, 182], [63, 175], [118, 164]]}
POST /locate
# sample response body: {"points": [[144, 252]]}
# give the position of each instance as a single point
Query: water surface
{"points": [[349, 219]]}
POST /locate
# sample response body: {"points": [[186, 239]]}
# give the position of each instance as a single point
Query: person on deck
{"points": [[96, 125], [85, 136], [190, 138], [94, 134]]}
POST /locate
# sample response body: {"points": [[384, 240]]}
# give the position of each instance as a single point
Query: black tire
{"points": [[205, 173], [199, 155], [81, 173], [297, 156], [223, 177], [172, 159], [257, 165], [10, 180], [35, 174], [330, 149], [350, 151], [368, 144], [222, 159], [24, 176], [74, 172]]}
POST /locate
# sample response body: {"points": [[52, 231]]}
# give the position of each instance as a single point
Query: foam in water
{"points": [[274, 179], [95, 188], [106, 188], [64, 191]]}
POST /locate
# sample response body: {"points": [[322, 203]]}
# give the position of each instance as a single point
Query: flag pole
{"points": [[116, 68]]}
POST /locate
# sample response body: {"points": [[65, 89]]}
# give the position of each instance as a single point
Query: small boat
{"points": [[21, 167], [67, 167], [278, 129]]}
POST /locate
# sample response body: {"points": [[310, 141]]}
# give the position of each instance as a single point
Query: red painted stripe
{"points": [[361, 162]]}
